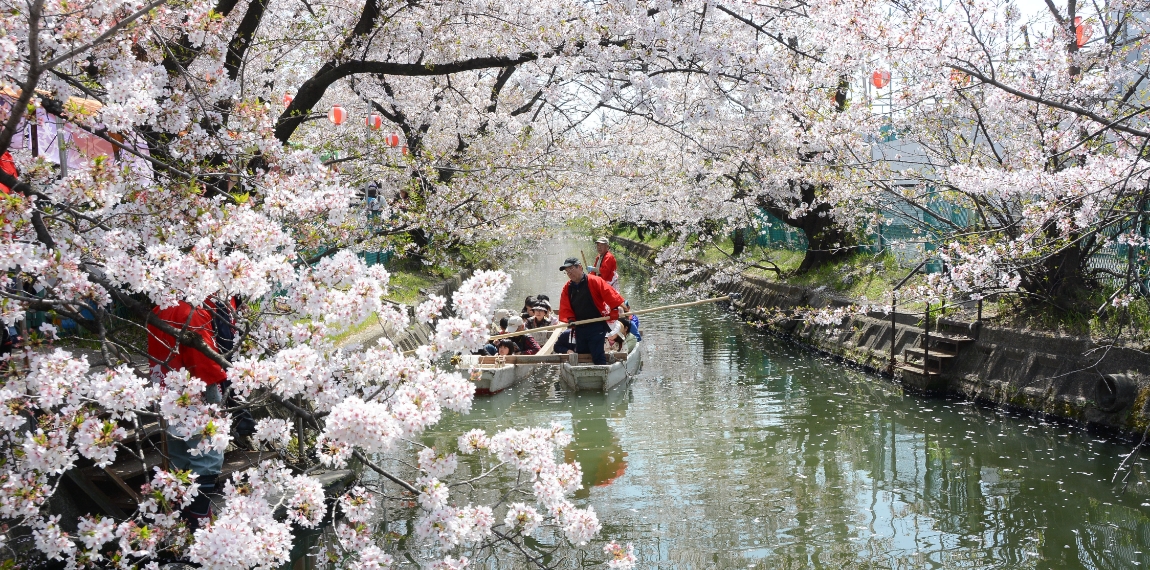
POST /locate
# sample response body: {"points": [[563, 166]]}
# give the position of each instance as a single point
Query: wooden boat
{"points": [[493, 374], [601, 378], [540, 336]]}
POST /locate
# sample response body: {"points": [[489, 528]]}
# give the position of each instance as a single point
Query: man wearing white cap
{"points": [[605, 265], [527, 343]]}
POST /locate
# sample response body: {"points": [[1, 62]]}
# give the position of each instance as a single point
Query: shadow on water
{"points": [[732, 449]]}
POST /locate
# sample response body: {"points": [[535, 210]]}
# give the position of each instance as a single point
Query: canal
{"points": [[733, 449]]}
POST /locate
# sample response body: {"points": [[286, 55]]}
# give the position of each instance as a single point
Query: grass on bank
{"points": [[865, 277], [1129, 325], [404, 288], [869, 278]]}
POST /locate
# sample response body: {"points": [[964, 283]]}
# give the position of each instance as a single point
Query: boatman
{"points": [[165, 355], [605, 265], [587, 296]]}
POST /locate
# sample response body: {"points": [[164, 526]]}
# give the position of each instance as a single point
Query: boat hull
{"points": [[601, 378], [495, 378]]}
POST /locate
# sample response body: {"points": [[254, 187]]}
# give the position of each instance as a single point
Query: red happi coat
{"points": [[165, 355], [607, 267], [606, 298]]}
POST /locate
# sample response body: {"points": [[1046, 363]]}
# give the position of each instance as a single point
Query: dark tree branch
{"points": [[1113, 124], [313, 89], [242, 39], [181, 54]]}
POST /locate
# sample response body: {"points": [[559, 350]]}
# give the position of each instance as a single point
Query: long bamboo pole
{"points": [[547, 348], [600, 319]]}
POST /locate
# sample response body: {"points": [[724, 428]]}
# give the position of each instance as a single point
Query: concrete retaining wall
{"points": [[418, 333], [1064, 377]]}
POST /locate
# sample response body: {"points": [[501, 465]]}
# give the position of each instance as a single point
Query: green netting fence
{"points": [[911, 243], [376, 257]]}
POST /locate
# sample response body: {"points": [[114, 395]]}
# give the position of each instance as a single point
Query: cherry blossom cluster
{"points": [[245, 533]]}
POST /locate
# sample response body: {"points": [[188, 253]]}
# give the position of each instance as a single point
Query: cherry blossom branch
{"points": [[1109, 123], [778, 39], [115, 28], [32, 77], [368, 462]]}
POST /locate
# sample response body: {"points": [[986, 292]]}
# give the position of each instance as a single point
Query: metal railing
{"points": [[925, 324]]}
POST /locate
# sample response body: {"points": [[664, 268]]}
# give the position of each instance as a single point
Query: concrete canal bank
{"points": [[418, 333], [1061, 377]]}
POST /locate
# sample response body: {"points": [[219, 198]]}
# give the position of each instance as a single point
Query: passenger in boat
{"points": [[587, 296], [497, 328], [616, 336], [500, 315], [605, 264], [507, 347], [528, 303], [564, 345], [526, 343], [541, 316]]}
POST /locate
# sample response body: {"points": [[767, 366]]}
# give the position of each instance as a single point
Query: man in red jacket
{"points": [[588, 296], [9, 167], [605, 264], [165, 355]]}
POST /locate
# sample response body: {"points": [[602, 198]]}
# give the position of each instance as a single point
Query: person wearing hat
{"points": [[587, 296], [526, 343], [605, 265], [528, 303], [541, 316], [372, 194]]}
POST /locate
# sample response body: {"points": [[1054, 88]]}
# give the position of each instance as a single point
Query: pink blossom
{"points": [[618, 556], [523, 518], [53, 542], [436, 465], [357, 504]]}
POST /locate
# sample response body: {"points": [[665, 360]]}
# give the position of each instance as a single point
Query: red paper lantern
{"points": [[374, 122], [287, 99], [336, 115], [392, 140], [405, 149], [1081, 32], [880, 78]]}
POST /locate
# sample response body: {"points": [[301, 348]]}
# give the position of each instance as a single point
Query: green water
{"points": [[732, 449]]}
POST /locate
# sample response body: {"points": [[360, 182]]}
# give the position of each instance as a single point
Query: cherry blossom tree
{"points": [[231, 182], [758, 111], [1035, 124], [1032, 125], [227, 194]]}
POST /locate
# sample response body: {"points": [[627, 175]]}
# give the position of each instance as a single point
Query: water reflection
{"points": [[732, 449], [594, 445]]}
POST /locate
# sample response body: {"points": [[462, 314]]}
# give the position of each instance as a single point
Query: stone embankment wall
{"points": [[1063, 377], [417, 334]]}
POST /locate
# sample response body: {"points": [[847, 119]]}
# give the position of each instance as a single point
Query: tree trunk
{"points": [[827, 241], [416, 256], [739, 241], [1061, 278]]}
